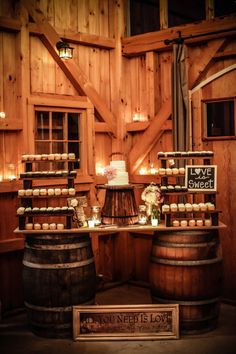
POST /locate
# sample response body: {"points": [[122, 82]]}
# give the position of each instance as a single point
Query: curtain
{"points": [[180, 99]]}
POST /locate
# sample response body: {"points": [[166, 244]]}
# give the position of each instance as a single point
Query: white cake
{"points": [[121, 175]]}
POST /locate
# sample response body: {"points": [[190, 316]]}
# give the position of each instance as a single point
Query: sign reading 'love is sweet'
{"points": [[201, 177]]}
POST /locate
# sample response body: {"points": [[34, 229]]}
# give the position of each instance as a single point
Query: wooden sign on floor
{"points": [[126, 322]]}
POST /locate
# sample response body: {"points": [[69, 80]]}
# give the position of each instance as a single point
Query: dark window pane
{"points": [[224, 7], [144, 16], [185, 11], [220, 118], [42, 126], [58, 125], [43, 148], [73, 126], [75, 148]]}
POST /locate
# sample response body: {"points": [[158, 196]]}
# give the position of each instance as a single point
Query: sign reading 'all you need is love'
{"points": [[201, 177], [120, 322]]}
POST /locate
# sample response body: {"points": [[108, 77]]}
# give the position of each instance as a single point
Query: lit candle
{"points": [[136, 117], [100, 169], [143, 171], [152, 170], [2, 115], [91, 223], [154, 222], [142, 220]]}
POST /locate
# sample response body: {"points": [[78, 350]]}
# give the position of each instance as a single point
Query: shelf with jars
{"points": [[183, 207], [28, 213]]}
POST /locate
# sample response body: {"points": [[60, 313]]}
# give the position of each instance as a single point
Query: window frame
{"points": [[79, 105], [50, 139], [204, 119]]}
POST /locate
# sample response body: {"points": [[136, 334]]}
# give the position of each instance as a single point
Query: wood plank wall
{"points": [[135, 85], [224, 158]]}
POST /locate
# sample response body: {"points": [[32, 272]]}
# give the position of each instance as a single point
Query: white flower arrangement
{"points": [[152, 197]]}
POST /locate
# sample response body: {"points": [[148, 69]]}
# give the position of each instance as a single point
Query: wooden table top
{"points": [[114, 228]]}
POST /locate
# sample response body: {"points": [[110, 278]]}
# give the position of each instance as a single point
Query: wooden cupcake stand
{"points": [[59, 269]]}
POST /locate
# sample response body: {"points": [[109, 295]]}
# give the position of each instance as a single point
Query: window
{"points": [[186, 11], [58, 131], [224, 7], [220, 119], [144, 16]]}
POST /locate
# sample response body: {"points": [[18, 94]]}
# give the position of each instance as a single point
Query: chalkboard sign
{"points": [[201, 178]]}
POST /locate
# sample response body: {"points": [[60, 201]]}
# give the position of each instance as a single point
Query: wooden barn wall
{"points": [[137, 85], [224, 158]]}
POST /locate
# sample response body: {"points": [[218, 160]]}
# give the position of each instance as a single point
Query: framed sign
{"points": [[129, 322], [201, 177]]}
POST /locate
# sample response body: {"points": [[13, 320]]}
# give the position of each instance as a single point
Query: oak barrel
{"points": [[186, 269], [58, 272], [120, 206]]}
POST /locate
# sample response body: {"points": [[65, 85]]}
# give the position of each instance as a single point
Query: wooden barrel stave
{"points": [[186, 268], [120, 206], [195, 316], [58, 272]]}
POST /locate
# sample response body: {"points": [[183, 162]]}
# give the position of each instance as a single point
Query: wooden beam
{"points": [[226, 54], [101, 127], [141, 126], [137, 126], [9, 24], [149, 137], [72, 70], [60, 101], [78, 38], [142, 43], [204, 62], [151, 83], [11, 124]]}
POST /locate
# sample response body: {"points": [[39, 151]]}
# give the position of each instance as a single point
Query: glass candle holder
{"points": [[142, 216], [96, 215], [154, 222], [91, 223]]}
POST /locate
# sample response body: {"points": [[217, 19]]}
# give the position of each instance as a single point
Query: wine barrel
{"points": [[120, 206], [58, 273], [186, 269]]}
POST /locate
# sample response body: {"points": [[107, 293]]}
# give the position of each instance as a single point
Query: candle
{"points": [[91, 223], [143, 171], [142, 220], [154, 222]]}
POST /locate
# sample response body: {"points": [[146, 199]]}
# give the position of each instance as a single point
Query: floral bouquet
{"points": [[110, 172], [152, 198], [79, 204]]}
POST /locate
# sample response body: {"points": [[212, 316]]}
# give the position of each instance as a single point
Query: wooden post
{"points": [[116, 12], [210, 9], [163, 14], [23, 70]]}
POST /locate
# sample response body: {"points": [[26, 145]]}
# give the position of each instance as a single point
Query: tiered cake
{"points": [[120, 175]]}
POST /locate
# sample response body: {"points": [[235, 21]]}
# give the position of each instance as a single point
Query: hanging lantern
{"points": [[64, 50]]}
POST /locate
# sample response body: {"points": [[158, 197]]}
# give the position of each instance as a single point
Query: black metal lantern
{"points": [[64, 50]]}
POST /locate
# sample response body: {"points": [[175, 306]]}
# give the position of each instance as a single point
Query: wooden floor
{"points": [[16, 338]]}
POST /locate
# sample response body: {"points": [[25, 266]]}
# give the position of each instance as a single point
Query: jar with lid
{"points": [[96, 215], [142, 216]]}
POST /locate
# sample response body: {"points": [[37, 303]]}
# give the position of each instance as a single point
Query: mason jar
{"points": [[96, 215], [142, 216]]}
